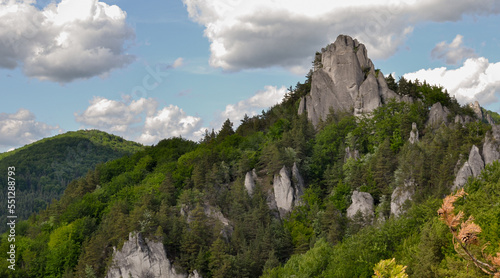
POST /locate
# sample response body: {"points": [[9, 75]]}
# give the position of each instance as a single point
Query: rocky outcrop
{"points": [[462, 119], [438, 115], [472, 167], [288, 189], [413, 134], [214, 214], [346, 80], [354, 154], [400, 196], [491, 146], [361, 202], [141, 257], [477, 110], [250, 178]]}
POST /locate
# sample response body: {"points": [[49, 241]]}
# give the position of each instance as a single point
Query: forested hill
{"points": [[44, 168], [216, 215], [326, 194]]}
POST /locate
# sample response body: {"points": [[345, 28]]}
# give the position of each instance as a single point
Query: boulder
{"points": [[345, 81], [361, 202], [141, 257], [413, 134], [438, 115], [400, 196]]}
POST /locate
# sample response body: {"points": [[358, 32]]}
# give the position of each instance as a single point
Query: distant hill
{"points": [[44, 168]]}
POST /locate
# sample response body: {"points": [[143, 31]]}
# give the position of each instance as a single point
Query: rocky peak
{"points": [[477, 110], [472, 167], [346, 80], [438, 115]]}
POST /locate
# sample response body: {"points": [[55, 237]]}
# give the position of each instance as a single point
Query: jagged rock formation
{"points": [[491, 145], [354, 154], [400, 196], [288, 190], [141, 257], [462, 119], [212, 213], [346, 80], [438, 115], [361, 202], [477, 110], [413, 134], [472, 167], [250, 178]]}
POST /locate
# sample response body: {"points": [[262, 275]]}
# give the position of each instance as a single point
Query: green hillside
{"points": [[44, 168], [164, 192]]}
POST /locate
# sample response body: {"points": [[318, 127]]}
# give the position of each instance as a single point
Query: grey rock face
{"points": [[250, 178], [476, 163], [362, 202], [491, 146], [477, 110], [140, 257], [347, 81], [212, 213], [288, 190], [414, 133], [472, 167], [400, 196], [437, 115], [354, 154]]}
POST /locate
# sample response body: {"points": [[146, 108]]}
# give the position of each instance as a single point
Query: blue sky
{"points": [[154, 69]]}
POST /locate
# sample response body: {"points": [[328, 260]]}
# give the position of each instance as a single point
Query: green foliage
{"points": [[389, 269]]}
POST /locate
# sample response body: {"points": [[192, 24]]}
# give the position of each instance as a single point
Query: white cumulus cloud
{"points": [[477, 79], [69, 40], [254, 105], [454, 52], [140, 120], [116, 116], [168, 122], [21, 128], [286, 33]]}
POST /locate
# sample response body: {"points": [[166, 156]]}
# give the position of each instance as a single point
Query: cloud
{"points": [[116, 116], [21, 128], [252, 106], [73, 39], [170, 121], [139, 120], [477, 79], [261, 33], [454, 52]]}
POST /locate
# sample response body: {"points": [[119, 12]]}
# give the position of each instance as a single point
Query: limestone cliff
{"points": [[346, 80], [141, 257]]}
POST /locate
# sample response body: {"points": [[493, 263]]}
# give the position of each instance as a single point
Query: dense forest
{"points": [[45, 167], [164, 192]]}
